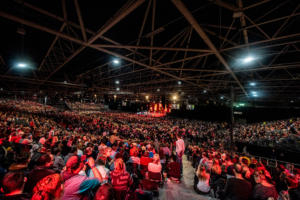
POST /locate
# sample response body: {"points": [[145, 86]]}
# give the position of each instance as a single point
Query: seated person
{"points": [[263, 188], [154, 169], [155, 165], [77, 186], [12, 186], [237, 187], [202, 186], [173, 169], [120, 179], [50, 188]]}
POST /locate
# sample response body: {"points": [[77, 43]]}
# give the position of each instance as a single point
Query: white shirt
{"points": [[103, 171], [180, 147], [203, 185], [155, 168]]}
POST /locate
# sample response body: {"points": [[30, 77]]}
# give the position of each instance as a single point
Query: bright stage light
{"points": [[248, 59], [116, 61], [118, 89], [252, 84], [158, 90], [222, 97], [147, 97], [204, 91], [115, 96], [21, 65], [174, 97], [179, 82], [117, 82], [254, 93]]}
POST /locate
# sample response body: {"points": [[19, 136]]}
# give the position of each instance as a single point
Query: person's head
{"points": [[156, 158], [105, 192], [49, 188], [74, 164], [108, 152], [119, 165], [173, 158], [13, 181], [45, 160], [88, 151], [101, 161], [216, 168], [237, 170], [201, 172], [261, 175]]}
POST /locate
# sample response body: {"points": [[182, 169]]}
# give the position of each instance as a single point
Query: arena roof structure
{"points": [[158, 47]]}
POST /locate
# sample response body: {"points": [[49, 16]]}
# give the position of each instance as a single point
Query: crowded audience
{"points": [[48, 154]]}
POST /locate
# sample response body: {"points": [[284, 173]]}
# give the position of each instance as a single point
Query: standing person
{"points": [[180, 147]]}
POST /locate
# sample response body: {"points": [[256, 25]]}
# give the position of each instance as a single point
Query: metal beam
{"points": [[102, 30], [223, 4], [260, 29], [80, 20], [86, 44], [187, 14], [256, 4], [285, 22], [150, 48], [243, 22], [272, 20], [152, 29]]}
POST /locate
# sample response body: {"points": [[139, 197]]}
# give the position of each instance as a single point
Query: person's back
{"points": [[12, 187], [39, 172], [261, 192], [120, 179], [236, 187], [263, 188], [203, 186]]}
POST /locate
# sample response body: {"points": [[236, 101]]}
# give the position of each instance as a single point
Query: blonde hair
{"points": [[216, 168], [119, 165], [156, 158], [201, 173]]}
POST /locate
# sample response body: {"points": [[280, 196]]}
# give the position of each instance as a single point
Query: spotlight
{"points": [[222, 97], [21, 65], [204, 91], [252, 84], [116, 61], [174, 97], [147, 97], [254, 93], [115, 96], [118, 89], [179, 82], [248, 59], [158, 90], [117, 82]]}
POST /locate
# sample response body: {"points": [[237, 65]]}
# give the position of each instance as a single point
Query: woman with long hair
{"points": [[155, 165], [203, 186], [120, 179]]}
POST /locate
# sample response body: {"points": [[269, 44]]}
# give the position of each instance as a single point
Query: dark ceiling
{"points": [[70, 45]]}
